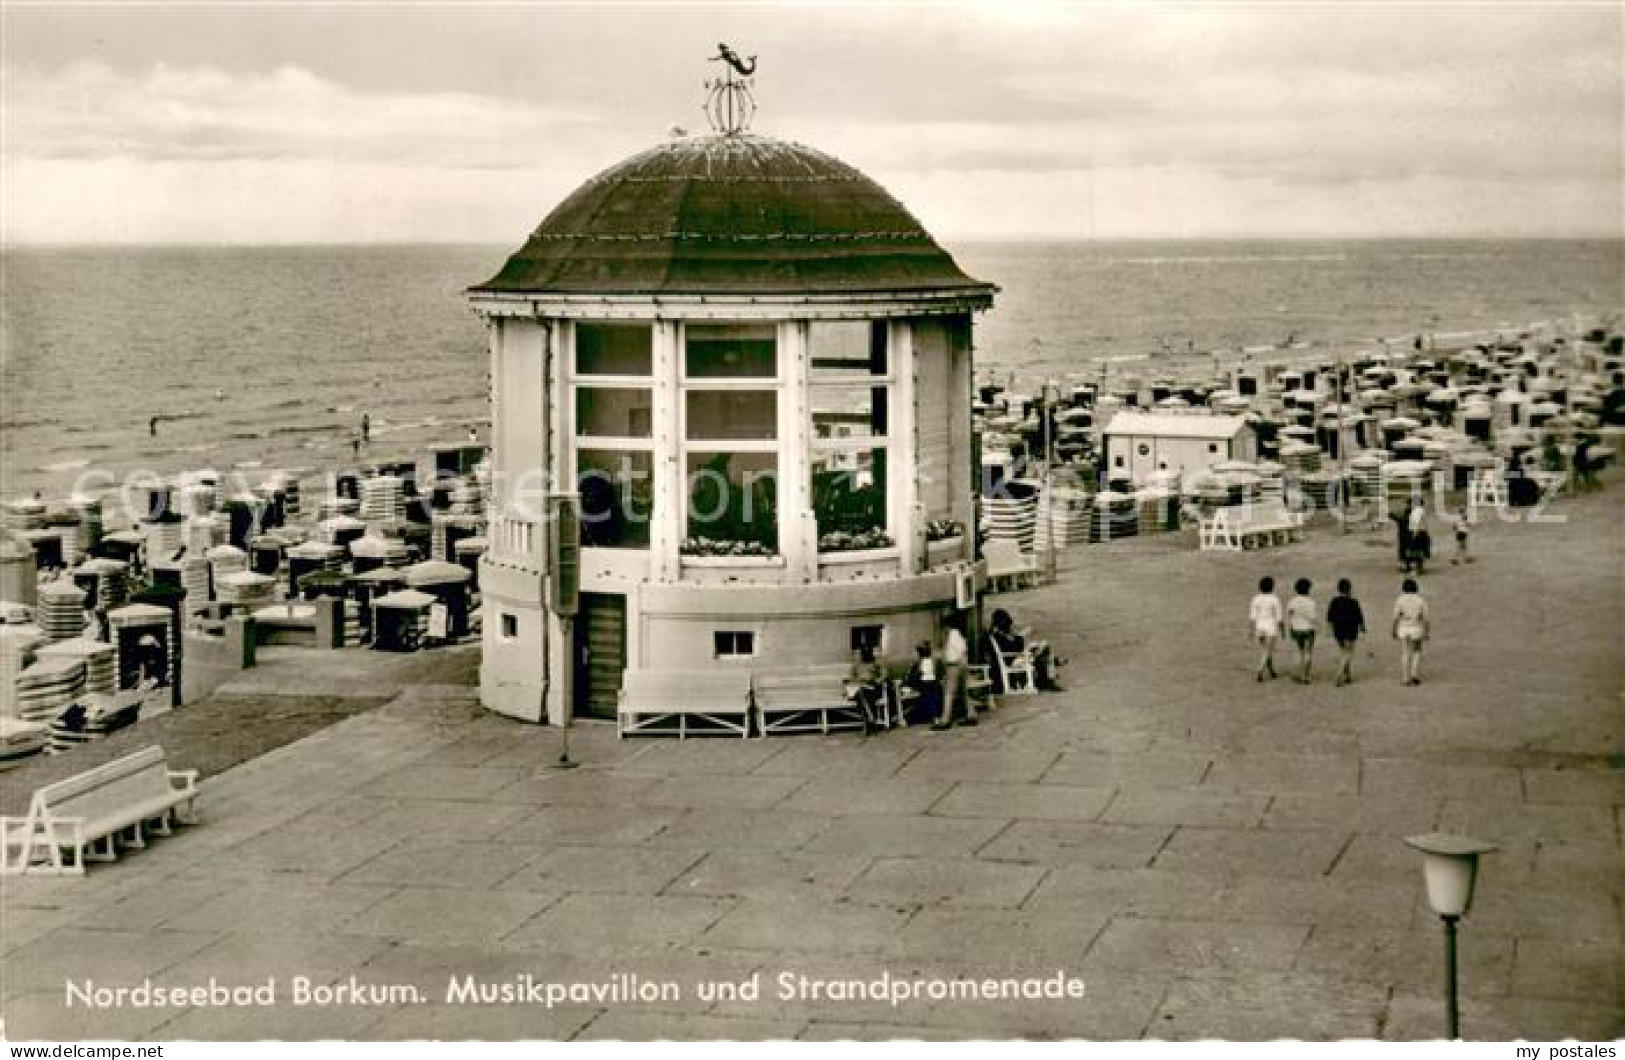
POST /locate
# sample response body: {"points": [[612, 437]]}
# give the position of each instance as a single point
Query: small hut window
{"points": [[510, 627]]}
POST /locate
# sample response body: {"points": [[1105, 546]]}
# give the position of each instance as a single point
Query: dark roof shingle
{"points": [[736, 214]]}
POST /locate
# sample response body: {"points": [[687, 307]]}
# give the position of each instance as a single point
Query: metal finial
{"points": [[729, 105]]}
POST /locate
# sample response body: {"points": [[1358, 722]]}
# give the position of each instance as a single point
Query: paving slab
{"points": [[899, 835], [596, 923], [1242, 852], [278, 907], [1143, 892], [1152, 806], [431, 862], [778, 828], [1244, 1006], [437, 914], [1106, 846], [743, 873], [809, 926], [975, 938], [1043, 802], [902, 882], [843, 796], [582, 868], [722, 791], [1148, 943]]}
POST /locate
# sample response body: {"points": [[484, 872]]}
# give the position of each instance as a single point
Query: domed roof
{"points": [[731, 214]]}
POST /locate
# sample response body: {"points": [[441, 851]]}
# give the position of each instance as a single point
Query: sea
{"points": [[134, 362]]}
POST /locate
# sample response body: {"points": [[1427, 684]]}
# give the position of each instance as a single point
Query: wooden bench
{"points": [[85, 816], [1242, 526], [684, 703], [816, 698]]}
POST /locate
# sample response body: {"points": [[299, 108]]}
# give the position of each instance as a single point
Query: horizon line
{"points": [[977, 239]]}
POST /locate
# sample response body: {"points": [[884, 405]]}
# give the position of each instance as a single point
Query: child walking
{"points": [[1302, 619], [1462, 527], [1343, 614], [1411, 629], [1264, 614]]}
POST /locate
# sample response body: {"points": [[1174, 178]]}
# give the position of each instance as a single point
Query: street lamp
{"points": [[1449, 868]]}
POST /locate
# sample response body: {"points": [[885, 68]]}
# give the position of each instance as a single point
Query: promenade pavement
{"points": [[1215, 858]]}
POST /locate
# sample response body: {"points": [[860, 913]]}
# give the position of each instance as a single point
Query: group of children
{"points": [[1300, 619]]}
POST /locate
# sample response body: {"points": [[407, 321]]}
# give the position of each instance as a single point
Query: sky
{"points": [[466, 122]]}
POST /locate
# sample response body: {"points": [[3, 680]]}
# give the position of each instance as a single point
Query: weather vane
{"points": [[729, 106]]}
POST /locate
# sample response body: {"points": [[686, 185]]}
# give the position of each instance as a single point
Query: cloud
{"points": [[89, 111], [1065, 120]]}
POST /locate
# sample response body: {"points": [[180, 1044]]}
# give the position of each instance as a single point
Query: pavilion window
{"points": [[733, 503], [617, 497], [731, 351], [731, 439], [849, 400], [614, 349], [614, 412]]}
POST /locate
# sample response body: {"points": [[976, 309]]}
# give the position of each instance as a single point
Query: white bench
{"points": [[1242, 526], [86, 815], [807, 699], [684, 703]]}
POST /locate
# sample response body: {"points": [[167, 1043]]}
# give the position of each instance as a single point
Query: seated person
{"points": [[868, 687], [1008, 641]]}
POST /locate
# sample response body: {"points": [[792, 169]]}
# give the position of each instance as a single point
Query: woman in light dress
{"points": [[1411, 629], [1264, 616]]}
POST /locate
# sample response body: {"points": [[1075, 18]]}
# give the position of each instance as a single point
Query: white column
{"points": [[797, 544], [495, 334], [670, 496], [902, 454]]}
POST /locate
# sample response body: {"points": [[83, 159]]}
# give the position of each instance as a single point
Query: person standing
{"points": [[1265, 616], [366, 429], [1302, 620], [1417, 537], [955, 653], [922, 677], [1343, 614], [1462, 527], [1411, 629]]}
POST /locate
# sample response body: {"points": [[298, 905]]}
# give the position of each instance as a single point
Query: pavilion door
{"points": [[600, 654]]}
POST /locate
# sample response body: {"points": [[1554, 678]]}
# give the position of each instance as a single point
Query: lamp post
{"points": [[1450, 868]]}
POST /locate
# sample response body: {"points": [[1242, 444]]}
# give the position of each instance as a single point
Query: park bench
{"points": [[684, 703], [1242, 526], [86, 815], [807, 699]]}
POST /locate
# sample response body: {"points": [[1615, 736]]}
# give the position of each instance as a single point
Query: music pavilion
{"points": [[751, 366]]}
